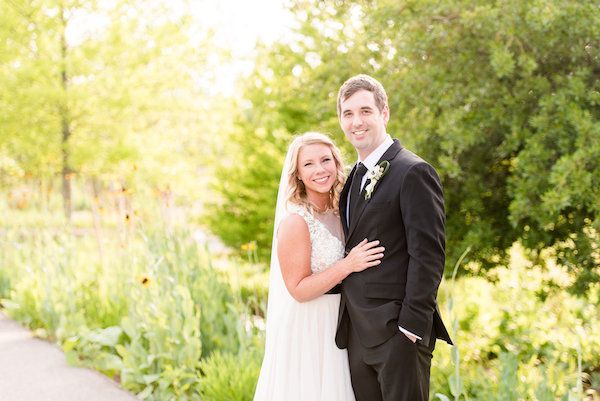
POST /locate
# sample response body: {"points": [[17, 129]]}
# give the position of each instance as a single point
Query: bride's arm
{"points": [[293, 248]]}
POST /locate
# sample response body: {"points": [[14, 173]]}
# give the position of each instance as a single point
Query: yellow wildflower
{"points": [[145, 281], [249, 247]]}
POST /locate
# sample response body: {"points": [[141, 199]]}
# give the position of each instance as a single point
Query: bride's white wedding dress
{"points": [[301, 361]]}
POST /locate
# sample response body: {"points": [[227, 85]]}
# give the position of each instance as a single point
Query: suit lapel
{"points": [[344, 201], [388, 155], [355, 214]]}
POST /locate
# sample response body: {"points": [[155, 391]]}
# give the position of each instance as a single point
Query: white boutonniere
{"points": [[374, 175]]}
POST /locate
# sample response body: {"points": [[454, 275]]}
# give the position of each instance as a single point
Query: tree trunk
{"points": [[67, 172]]}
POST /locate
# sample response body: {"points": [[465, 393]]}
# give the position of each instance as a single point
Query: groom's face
{"points": [[363, 123]]}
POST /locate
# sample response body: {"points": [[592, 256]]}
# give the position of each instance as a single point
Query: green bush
{"points": [[231, 377], [161, 355], [174, 257], [518, 332], [144, 307], [149, 308]]}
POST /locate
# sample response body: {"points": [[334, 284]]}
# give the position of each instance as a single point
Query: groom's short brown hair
{"points": [[359, 82]]}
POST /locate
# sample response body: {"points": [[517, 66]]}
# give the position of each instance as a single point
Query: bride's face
{"points": [[316, 168]]}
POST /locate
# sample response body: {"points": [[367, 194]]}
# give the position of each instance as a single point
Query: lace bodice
{"points": [[326, 247]]}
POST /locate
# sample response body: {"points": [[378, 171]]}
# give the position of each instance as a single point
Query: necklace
{"points": [[320, 210]]}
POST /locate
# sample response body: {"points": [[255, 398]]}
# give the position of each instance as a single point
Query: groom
{"points": [[389, 319]]}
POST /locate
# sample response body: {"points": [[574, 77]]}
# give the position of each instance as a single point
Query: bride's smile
{"points": [[316, 169], [321, 180]]}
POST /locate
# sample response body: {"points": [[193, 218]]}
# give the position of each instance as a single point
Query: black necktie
{"points": [[355, 190]]}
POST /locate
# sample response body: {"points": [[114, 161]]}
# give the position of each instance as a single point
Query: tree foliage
{"points": [[502, 98], [130, 84]]}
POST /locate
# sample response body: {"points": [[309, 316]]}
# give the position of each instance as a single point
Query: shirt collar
{"points": [[371, 160]]}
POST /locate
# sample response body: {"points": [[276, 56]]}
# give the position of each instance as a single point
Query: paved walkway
{"points": [[35, 370]]}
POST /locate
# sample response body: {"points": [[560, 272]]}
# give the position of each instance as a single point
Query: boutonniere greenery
{"points": [[374, 175]]}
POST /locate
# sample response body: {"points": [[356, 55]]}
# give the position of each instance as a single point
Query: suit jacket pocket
{"points": [[384, 291]]}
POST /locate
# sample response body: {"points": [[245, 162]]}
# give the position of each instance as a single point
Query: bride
{"points": [[301, 360]]}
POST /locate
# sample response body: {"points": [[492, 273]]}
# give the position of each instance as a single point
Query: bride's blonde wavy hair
{"points": [[296, 189]]}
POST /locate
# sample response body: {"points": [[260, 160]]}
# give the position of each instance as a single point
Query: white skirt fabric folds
{"points": [[301, 361]]}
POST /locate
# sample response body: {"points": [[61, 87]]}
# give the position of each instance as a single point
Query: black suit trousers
{"points": [[397, 370]]}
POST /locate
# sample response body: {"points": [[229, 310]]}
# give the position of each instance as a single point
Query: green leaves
{"points": [[502, 61], [231, 377], [108, 336], [148, 317], [131, 97]]}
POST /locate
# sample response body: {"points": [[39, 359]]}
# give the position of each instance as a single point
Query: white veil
{"points": [[279, 299]]}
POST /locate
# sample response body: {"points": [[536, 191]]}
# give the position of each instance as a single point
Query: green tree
{"points": [[501, 98], [29, 97], [123, 97], [293, 89]]}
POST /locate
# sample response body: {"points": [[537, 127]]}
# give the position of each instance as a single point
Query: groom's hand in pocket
{"points": [[411, 337]]}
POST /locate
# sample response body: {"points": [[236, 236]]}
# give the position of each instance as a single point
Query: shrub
{"points": [[231, 377]]}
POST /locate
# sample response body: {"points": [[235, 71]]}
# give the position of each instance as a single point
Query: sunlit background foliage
{"points": [[137, 191]]}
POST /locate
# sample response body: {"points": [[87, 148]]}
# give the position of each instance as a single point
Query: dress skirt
{"points": [[301, 361]]}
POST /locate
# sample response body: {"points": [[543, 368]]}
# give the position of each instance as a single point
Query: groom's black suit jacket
{"points": [[405, 213]]}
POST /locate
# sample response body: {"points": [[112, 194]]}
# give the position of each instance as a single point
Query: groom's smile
{"points": [[363, 122]]}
